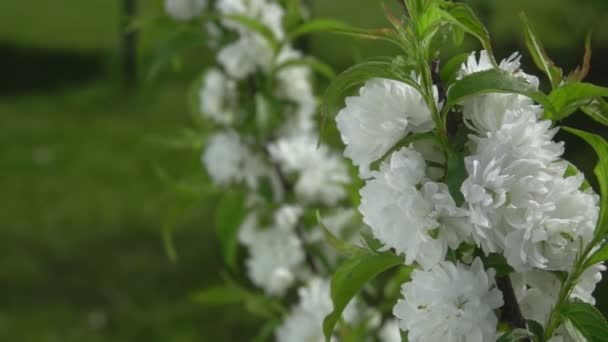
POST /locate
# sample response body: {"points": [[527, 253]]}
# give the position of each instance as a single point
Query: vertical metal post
{"points": [[129, 42]]}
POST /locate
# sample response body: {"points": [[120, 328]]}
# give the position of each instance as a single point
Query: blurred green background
{"points": [[81, 201]]}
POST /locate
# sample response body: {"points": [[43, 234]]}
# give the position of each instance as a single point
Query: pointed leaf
{"points": [[338, 27], [570, 97], [493, 81], [311, 62], [600, 255], [587, 320], [450, 70], [540, 57], [601, 170], [464, 17], [350, 278], [228, 217], [582, 71], [598, 111], [175, 44]]}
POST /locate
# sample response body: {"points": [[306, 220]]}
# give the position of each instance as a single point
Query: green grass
{"points": [[82, 208]]}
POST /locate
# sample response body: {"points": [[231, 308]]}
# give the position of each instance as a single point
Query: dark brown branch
{"points": [[404, 6], [510, 312]]}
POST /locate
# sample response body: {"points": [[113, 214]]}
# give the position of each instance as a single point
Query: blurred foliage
{"points": [[81, 204]]}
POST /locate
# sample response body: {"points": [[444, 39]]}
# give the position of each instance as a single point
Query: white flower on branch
{"points": [[384, 112], [246, 55], [305, 321], [276, 253], [322, 175], [414, 216], [450, 302], [267, 12], [228, 160], [184, 10], [390, 331], [218, 97]]}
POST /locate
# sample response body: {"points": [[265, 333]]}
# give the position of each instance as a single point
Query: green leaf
{"points": [[450, 70], [339, 245], [515, 335], [256, 26], [600, 255], [493, 81], [176, 43], [320, 67], [600, 170], [228, 217], [338, 27], [569, 97], [350, 278], [456, 174], [220, 295], [582, 71], [587, 320], [598, 111], [463, 16], [540, 57]]}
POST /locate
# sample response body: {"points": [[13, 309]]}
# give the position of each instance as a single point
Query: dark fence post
{"points": [[129, 42]]}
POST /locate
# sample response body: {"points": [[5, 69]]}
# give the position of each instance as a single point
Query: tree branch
{"points": [[510, 312]]}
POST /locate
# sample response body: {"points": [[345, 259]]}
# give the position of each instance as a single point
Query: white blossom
{"points": [[305, 321], [245, 56], [450, 303], [384, 112], [184, 10], [322, 175], [390, 331], [228, 160], [275, 253], [267, 12], [294, 84], [218, 97], [420, 223]]}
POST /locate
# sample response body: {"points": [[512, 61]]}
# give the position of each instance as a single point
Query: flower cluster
{"points": [[521, 201], [261, 103]]}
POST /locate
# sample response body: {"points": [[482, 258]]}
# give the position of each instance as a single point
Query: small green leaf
{"points": [[320, 67], [220, 295], [601, 170], [456, 174], [450, 70], [350, 278], [338, 27], [493, 81], [598, 111], [339, 245], [540, 57], [176, 43], [256, 26], [228, 217], [463, 16], [587, 320], [569, 97], [581, 72], [515, 335], [600, 255]]}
